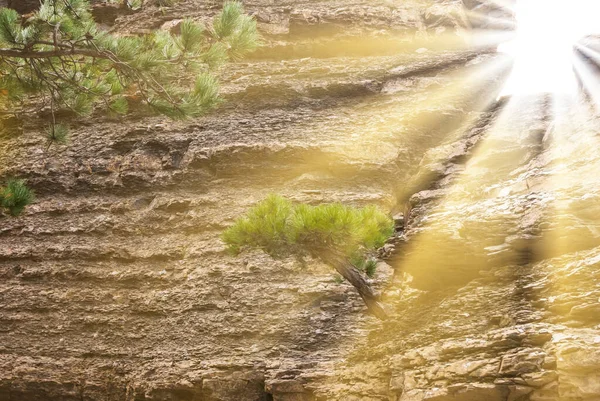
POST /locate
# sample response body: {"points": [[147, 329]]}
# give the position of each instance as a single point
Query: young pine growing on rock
{"points": [[15, 196], [339, 235]]}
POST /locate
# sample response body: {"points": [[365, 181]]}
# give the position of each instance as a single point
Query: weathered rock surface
{"points": [[115, 285]]}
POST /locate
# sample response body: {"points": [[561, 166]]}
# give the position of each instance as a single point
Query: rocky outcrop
{"points": [[21, 6]]}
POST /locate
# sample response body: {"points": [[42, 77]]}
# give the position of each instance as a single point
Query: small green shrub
{"points": [[15, 196], [281, 227], [341, 236], [365, 265], [57, 134], [371, 267]]}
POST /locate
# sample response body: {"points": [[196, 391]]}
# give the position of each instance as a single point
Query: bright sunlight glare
{"points": [[543, 46]]}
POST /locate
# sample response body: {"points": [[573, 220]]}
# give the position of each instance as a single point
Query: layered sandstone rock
{"points": [[116, 286]]}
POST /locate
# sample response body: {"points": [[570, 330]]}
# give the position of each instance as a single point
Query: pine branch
{"points": [[62, 53], [46, 54]]}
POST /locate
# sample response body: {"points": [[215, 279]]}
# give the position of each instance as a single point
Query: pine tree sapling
{"points": [[339, 235], [15, 196], [370, 267], [60, 55], [56, 133]]}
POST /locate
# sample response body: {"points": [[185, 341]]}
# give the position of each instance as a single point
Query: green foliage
{"points": [[9, 21], [191, 35], [236, 28], [225, 23], [371, 267], [281, 227], [265, 226], [366, 265], [15, 196], [119, 105], [60, 54], [57, 134]]}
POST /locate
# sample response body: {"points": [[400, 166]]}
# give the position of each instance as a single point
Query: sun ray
{"points": [[544, 55], [488, 38], [475, 89], [466, 233], [502, 151], [505, 4], [584, 65], [521, 170], [502, 23], [471, 89]]}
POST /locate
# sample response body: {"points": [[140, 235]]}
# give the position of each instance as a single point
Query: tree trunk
{"points": [[354, 277]]}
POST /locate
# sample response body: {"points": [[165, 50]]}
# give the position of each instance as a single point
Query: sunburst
{"points": [[543, 48]]}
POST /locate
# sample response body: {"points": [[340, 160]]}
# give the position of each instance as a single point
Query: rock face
{"points": [[116, 286], [21, 6]]}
